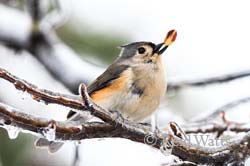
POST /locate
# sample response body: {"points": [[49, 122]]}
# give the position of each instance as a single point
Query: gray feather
{"points": [[104, 80]]}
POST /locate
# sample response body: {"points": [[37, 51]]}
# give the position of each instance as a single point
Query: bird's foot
{"points": [[117, 116]]}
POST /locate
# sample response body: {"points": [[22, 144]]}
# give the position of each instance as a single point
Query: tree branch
{"points": [[49, 97], [209, 81], [123, 129], [72, 131], [222, 109], [222, 155], [216, 128], [15, 39], [79, 105], [67, 130], [60, 60], [35, 10]]}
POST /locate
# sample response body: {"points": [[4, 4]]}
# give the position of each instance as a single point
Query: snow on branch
{"points": [[172, 142], [61, 131], [49, 97]]}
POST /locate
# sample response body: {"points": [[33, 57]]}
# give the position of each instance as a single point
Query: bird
{"points": [[132, 85]]}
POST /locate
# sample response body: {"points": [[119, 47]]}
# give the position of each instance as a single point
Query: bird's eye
{"points": [[141, 50]]}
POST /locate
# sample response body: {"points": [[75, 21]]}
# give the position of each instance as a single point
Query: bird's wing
{"points": [[104, 80]]}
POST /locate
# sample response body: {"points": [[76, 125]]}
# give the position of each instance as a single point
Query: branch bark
{"points": [[73, 131], [67, 130], [49, 97], [234, 151]]}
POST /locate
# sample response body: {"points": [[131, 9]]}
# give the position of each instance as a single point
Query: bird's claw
{"points": [[117, 116]]}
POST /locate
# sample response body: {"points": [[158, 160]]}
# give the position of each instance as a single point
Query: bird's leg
{"points": [[118, 115]]}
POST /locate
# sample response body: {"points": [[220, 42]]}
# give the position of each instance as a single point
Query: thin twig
{"points": [[214, 128], [209, 81], [224, 108], [55, 18], [35, 10]]}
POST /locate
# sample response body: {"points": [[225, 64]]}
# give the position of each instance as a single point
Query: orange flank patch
{"points": [[117, 85]]}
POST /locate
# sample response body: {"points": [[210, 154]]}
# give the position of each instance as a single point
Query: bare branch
{"points": [[69, 131], [35, 10], [223, 155], [224, 108], [209, 81], [49, 97], [215, 127], [15, 39], [60, 60], [55, 18]]}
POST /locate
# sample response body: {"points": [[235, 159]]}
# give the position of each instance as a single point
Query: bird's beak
{"points": [[170, 38], [158, 49]]}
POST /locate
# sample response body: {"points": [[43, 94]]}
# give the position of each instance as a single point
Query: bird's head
{"points": [[146, 52]]}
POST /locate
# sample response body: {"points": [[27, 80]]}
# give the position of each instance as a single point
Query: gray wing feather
{"points": [[104, 80]]}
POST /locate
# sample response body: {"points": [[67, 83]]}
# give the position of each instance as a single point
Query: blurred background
{"points": [[213, 39]]}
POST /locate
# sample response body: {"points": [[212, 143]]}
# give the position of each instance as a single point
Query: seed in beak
{"points": [[170, 38]]}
